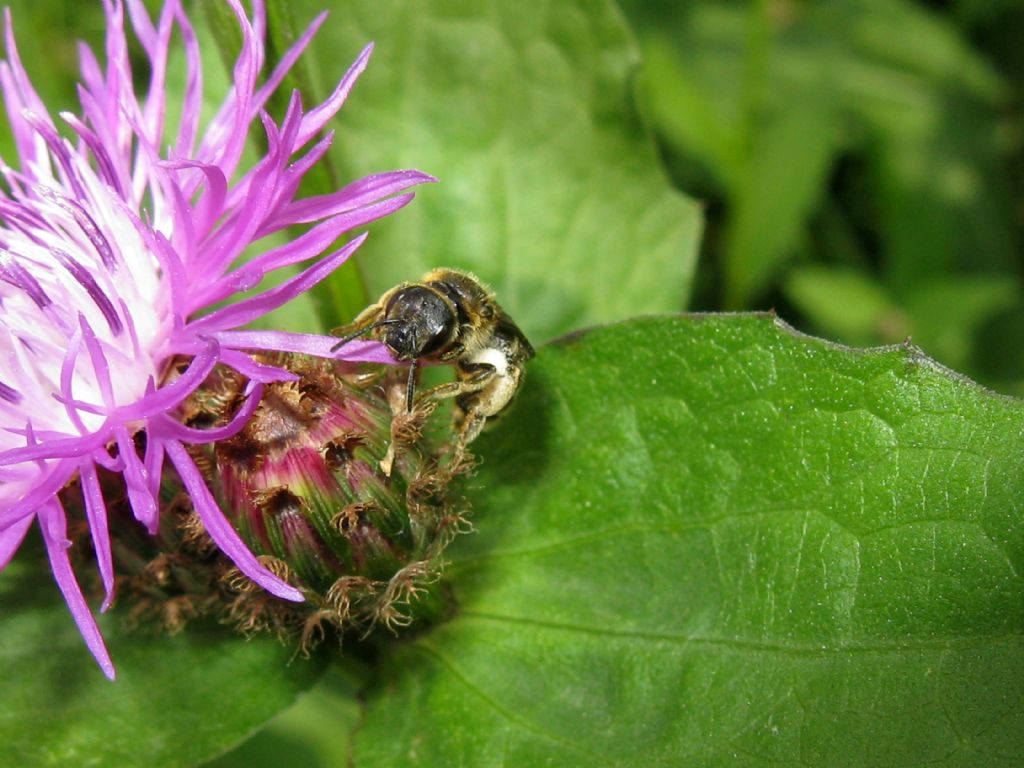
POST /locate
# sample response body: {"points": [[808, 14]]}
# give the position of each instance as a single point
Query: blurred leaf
{"points": [[995, 350], [944, 316], [934, 140], [708, 541], [549, 191], [784, 180], [887, 82], [880, 31], [948, 313], [768, 131], [846, 304], [314, 733], [687, 114], [176, 701]]}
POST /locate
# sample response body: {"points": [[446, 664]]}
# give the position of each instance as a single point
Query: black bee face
{"points": [[418, 322]]}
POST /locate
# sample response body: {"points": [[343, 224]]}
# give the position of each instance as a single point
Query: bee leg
{"points": [[474, 382], [468, 420], [470, 424], [454, 353]]}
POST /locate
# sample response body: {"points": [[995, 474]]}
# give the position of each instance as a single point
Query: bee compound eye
{"points": [[424, 322]]}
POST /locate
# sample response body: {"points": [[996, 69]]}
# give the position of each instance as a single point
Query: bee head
{"points": [[419, 322]]}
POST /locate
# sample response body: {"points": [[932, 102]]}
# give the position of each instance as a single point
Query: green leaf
{"points": [[176, 701], [550, 190], [710, 541], [719, 84], [930, 110], [313, 733], [784, 178], [760, 104]]}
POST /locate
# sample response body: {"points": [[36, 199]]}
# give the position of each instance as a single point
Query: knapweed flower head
{"points": [[333, 483], [120, 239]]}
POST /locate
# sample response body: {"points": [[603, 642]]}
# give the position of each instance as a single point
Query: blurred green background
{"points": [[859, 161]]}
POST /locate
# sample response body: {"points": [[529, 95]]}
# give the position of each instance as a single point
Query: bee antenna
{"points": [[362, 332]]}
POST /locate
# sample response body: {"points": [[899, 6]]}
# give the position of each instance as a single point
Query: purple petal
{"points": [[13, 273], [226, 134], [132, 334], [355, 195], [287, 62], [317, 118], [248, 310], [154, 465], [177, 431], [292, 176], [9, 394], [88, 282], [54, 448], [191, 112], [220, 529], [261, 373], [67, 380], [168, 397], [11, 538], [211, 203], [306, 246], [19, 94], [307, 344], [143, 25], [82, 218], [54, 527], [108, 171], [137, 482], [360, 216], [96, 513], [156, 100], [243, 226], [99, 361]]}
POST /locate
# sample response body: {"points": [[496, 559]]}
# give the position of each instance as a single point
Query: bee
{"points": [[450, 317]]}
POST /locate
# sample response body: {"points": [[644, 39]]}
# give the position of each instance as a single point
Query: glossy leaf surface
{"points": [[710, 541]]}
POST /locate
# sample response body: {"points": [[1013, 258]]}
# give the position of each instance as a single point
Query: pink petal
{"points": [[359, 193], [137, 483]]}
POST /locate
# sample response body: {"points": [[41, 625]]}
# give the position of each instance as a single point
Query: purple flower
{"points": [[119, 238]]}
